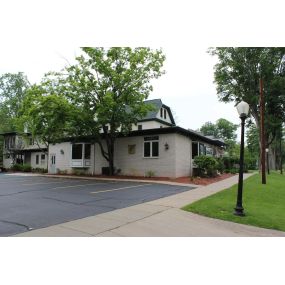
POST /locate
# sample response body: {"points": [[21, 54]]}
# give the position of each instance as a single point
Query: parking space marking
{"points": [[39, 183], [81, 185], [117, 189]]}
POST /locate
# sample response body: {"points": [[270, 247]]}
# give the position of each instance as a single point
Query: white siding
{"points": [[63, 157], [162, 118], [149, 125], [42, 164], [135, 164], [183, 147]]}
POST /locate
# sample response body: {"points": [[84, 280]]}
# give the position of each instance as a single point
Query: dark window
{"points": [[151, 146], [43, 157], [139, 127], [194, 150], [37, 159], [77, 151], [164, 114], [87, 154], [155, 151], [147, 149], [161, 112]]}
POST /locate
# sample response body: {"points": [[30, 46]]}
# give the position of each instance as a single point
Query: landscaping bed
{"points": [[264, 204]]}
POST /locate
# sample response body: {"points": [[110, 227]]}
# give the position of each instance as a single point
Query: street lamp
{"points": [[243, 109], [267, 154]]}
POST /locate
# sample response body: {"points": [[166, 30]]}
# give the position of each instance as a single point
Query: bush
{"points": [[26, 168], [20, 167], [149, 173], [207, 165], [39, 170]]}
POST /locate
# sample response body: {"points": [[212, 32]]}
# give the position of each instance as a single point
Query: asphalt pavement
{"points": [[33, 202]]}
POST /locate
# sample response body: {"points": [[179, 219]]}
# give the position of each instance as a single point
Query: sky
{"points": [[187, 86]]}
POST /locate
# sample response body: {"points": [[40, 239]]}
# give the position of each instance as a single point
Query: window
{"points": [[194, 149], [164, 114], [31, 141], [43, 157], [161, 113], [77, 151], [202, 149], [87, 152], [37, 159], [139, 127], [151, 146]]}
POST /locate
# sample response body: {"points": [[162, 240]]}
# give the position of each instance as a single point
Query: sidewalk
{"points": [[162, 217]]}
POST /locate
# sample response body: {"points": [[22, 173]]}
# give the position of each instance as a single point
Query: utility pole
{"points": [[262, 107]]}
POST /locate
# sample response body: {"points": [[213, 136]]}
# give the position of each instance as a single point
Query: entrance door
{"points": [[52, 168]]}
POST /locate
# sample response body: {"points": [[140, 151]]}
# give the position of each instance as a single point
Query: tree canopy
{"points": [[106, 89], [237, 75]]}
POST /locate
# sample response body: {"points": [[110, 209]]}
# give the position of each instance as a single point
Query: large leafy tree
{"points": [[47, 116], [108, 87], [237, 76], [222, 129], [13, 88]]}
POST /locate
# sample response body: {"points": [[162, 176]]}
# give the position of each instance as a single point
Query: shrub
{"points": [[20, 167], [207, 165], [149, 173], [26, 168]]}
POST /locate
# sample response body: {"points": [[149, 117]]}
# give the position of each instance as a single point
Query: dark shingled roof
{"points": [[151, 115]]}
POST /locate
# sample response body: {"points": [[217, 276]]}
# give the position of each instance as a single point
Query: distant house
{"points": [[21, 148], [155, 146]]}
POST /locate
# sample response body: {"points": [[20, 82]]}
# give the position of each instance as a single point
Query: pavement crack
{"points": [[127, 223], [17, 224]]}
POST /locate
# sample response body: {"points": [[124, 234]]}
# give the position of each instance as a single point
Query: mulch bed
{"points": [[184, 180]]}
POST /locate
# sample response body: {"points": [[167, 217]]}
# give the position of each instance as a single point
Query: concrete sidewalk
{"points": [[162, 217]]}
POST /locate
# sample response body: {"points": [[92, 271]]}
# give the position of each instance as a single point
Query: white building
{"points": [[154, 147]]}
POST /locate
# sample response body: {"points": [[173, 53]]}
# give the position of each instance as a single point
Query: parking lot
{"points": [[32, 202]]}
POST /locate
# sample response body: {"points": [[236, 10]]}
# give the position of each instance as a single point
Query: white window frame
{"points": [[151, 143], [81, 163]]}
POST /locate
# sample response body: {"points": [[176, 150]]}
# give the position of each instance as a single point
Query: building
{"points": [[154, 147], [21, 148]]}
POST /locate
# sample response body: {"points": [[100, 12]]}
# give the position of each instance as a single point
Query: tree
{"points": [[47, 116], [108, 87], [222, 129], [237, 75], [13, 89]]}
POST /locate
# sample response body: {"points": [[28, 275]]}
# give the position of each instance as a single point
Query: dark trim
{"points": [[177, 130], [34, 150], [157, 120], [170, 130]]}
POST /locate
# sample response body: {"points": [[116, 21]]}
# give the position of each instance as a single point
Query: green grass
{"points": [[264, 205]]}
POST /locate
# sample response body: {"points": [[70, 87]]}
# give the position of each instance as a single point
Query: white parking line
{"points": [[117, 189], [81, 185], [39, 183]]}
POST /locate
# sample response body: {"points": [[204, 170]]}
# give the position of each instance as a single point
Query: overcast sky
{"points": [[187, 87], [39, 36]]}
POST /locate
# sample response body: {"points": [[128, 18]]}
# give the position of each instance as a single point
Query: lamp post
{"points": [[243, 109], [267, 158]]}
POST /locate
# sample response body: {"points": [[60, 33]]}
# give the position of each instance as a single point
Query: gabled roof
{"points": [[151, 115]]}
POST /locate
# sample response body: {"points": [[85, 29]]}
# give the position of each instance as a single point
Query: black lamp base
{"points": [[239, 211]]}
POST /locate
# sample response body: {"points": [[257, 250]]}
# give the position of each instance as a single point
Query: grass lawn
{"points": [[264, 205]]}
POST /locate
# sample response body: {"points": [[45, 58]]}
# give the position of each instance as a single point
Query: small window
{"points": [[151, 146], [161, 113], [87, 153], [43, 157], [37, 159], [131, 149], [77, 151], [139, 127], [164, 114]]}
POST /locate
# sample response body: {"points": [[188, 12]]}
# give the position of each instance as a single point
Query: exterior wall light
{"points": [[62, 151], [166, 146]]}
